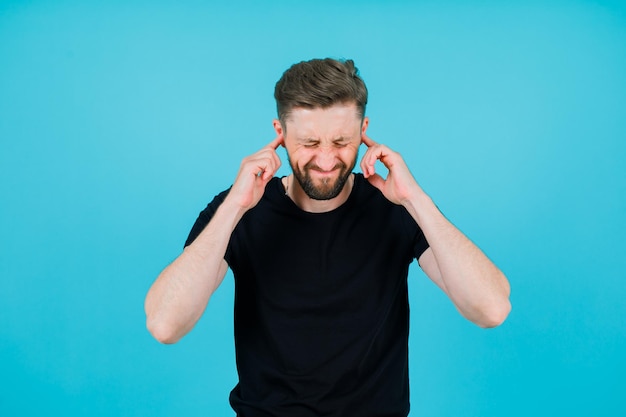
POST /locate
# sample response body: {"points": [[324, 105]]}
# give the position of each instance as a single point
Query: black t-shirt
{"points": [[321, 308]]}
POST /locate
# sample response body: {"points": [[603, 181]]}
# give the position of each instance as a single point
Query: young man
{"points": [[320, 260]]}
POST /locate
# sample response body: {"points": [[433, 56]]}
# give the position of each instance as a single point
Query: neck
{"points": [[294, 191]]}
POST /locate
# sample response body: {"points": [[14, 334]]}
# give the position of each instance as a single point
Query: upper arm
{"points": [[429, 265]]}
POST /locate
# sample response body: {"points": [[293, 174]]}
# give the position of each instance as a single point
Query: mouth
{"points": [[323, 173], [317, 169]]}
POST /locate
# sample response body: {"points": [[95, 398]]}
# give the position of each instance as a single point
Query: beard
{"points": [[329, 187]]}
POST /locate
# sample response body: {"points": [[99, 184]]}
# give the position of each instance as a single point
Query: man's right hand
{"points": [[255, 172]]}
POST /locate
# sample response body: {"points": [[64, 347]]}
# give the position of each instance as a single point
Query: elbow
{"points": [[496, 312], [163, 332], [161, 325], [495, 315]]}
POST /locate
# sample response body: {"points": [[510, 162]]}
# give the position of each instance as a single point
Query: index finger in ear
{"points": [[276, 142], [367, 141]]}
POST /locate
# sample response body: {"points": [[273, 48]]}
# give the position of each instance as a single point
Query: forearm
{"points": [[475, 285], [181, 292]]}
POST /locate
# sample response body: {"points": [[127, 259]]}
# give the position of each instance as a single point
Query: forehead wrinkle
{"points": [[342, 133], [332, 124]]}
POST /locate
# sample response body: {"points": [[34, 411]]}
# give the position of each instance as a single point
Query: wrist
{"points": [[231, 209], [419, 205]]}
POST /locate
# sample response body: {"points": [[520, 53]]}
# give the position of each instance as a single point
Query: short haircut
{"points": [[319, 83]]}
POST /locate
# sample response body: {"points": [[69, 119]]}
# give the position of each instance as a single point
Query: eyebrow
{"points": [[308, 140]]}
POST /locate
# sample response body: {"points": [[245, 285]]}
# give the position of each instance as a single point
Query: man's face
{"points": [[322, 147]]}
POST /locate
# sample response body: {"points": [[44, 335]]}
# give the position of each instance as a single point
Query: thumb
{"points": [[377, 181]]}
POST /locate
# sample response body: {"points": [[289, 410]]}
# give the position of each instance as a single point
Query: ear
{"points": [[364, 125], [278, 127]]}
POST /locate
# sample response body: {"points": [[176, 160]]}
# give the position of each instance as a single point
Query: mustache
{"points": [[313, 166]]}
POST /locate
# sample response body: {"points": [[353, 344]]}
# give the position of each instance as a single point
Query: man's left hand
{"points": [[399, 186]]}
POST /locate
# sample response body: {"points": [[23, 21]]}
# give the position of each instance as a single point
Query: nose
{"points": [[327, 158]]}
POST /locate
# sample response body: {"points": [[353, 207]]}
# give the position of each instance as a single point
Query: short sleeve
{"points": [[420, 244], [205, 217]]}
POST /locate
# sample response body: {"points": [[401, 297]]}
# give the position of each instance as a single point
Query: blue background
{"points": [[119, 121]]}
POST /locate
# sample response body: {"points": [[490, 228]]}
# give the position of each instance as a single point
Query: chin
{"points": [[324, 190]]}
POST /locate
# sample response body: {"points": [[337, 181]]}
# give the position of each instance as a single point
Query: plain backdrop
{"points": [[119, 121]]}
